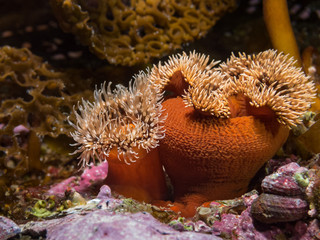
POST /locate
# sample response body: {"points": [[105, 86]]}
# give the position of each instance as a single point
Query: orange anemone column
{"points": [[208, 158], [142, 180]]}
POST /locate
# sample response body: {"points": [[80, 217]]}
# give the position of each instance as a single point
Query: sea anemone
{"points": [[124, 125], [269, 80], [262, 84], [215, 157], [205, 95], [237, 116], [180, 71]]}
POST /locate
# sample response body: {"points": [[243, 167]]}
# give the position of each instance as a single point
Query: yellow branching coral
{"points": [[123, 120], [130, 32]]}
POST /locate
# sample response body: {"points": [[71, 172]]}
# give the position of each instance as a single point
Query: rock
{"points": [[8, 228], [102, 225], [270, 208]]}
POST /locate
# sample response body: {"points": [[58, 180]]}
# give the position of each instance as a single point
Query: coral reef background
{"points": [[67, 71]]}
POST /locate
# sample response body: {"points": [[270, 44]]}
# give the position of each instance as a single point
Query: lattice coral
{"points": [[130, 32], [33, 96]]}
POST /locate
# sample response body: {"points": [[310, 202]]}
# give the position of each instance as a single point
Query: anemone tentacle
{"points": [[124, 119]]}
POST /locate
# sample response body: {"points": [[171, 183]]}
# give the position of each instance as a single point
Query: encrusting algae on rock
{"points": [[221, 126]]}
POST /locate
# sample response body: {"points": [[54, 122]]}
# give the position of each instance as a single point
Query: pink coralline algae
{"points": [[283, 182], [92, 177]]}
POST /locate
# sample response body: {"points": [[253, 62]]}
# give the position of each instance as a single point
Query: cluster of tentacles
{"points": [[211, 135]]}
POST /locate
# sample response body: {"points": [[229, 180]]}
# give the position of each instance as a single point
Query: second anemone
{"points": [[124, 126]]}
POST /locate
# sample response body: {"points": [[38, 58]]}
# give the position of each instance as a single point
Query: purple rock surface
{"points": [[8, 228], [244, 227], [101, 225]]}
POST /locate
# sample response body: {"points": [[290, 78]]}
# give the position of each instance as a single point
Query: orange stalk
{"points": [[142, 180]]}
